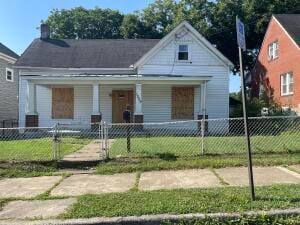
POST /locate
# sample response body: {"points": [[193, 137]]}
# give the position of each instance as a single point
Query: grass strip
{"points": [[244, 220], [166, 162], [181, 201]]}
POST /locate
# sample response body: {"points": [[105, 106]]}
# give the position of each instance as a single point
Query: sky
{"points": [[19, 19]]}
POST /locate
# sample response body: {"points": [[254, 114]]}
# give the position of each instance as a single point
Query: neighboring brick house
{"points": [[277, 69], [9, 85]]}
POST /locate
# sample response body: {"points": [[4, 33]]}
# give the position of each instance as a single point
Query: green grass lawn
{"points": [[37, 149], [191, 146], [181, 201], [169, 162]]}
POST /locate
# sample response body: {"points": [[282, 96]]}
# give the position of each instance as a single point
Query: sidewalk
{"points": [[80, 184]]}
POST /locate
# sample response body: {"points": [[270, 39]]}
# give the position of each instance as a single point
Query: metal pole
{"points": [[250, 170]]}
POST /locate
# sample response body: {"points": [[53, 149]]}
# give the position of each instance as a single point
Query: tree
{"points": [[215, 20], [80, 23]]}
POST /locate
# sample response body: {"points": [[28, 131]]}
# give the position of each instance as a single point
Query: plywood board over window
{"points": [[183, 103], [62, 103]]}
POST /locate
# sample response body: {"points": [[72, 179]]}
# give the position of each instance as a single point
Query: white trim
{"points": [[286, 31], [288, 82], [31, 98], [169, 36], [272, 54], [12, 74], [96, 100], [138, 100], [76, 69], [118, 80], [7, 58], [188, 51]]}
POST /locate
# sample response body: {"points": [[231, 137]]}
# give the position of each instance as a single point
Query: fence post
{"points": [[202, 135], [56, 148], [106, 140], [54, 134]]}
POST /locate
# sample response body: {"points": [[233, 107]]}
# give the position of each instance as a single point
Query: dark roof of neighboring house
{"points": [[85, 53], [5, 50], [291, 23]]}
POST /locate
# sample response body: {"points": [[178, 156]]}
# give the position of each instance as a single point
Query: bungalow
{"points": [[180, 77]]}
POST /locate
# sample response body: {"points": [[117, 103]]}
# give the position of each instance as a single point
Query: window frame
{"points": [[12, 74], [289, 80], [188, 52], [274, 53]]}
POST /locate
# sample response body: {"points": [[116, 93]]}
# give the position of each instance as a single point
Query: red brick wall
{"points": [[288, 61]]}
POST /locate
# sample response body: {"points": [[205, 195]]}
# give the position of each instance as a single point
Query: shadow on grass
{"points": [[167, 156]]}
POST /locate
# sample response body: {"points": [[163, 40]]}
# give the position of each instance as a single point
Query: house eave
{"points": [[7, 58], [116, 79]]}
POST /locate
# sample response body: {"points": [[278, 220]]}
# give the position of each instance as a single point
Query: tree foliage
{"points": [[215, 20]]}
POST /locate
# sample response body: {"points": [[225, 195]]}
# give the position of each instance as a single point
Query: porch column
{"points": [[96, 115], [31, 117], [202, 107], [138, 113]]}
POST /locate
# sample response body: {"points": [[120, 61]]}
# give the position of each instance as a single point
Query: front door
{"points": [[119, 101]]}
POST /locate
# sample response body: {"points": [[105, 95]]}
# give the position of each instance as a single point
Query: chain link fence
{"points": [[170, 139], [204, 137]]}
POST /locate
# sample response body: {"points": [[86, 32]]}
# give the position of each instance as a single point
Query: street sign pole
{"points": [[242, 44]]}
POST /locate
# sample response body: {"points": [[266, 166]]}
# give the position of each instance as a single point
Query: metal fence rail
{"points": [[193, 138]]}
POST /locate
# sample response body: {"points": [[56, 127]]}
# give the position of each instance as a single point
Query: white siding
{"points": [[164, 61], [157, 103], [156, 98], [82, 105], [203, 63]]}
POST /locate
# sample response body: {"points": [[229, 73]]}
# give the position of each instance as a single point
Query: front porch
{"points": [[82, 101]]}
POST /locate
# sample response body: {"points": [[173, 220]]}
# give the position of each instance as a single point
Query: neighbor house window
{"points": [[9, 75], [182, 103], [62, 103], [273, 50], [183, 52], [287, 84]]}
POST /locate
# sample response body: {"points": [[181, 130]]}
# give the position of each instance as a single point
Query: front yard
{"points": [[38, 149], [192, 146]]}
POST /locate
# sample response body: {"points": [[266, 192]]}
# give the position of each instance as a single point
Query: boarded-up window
{"points": [[62, 103], [182, 103]]}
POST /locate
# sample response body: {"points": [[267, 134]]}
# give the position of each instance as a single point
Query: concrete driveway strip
{"points": [[263, 176], [35, 209], [201, 178], [94, 184], [26, 187]]}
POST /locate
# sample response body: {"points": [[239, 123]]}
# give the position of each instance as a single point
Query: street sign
{"points": [[240, 32]]}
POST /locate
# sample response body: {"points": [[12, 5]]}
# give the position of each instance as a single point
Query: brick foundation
{"points": [[139, 119], [95, 119], [206, 123], [31, 121]]}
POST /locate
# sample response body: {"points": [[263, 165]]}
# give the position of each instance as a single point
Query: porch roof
{"points": [[116, 79]]}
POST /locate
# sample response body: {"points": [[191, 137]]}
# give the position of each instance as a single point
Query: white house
{"points": [[180, 77]]}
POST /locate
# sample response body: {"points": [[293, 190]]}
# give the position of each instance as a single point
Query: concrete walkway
{"points": [[80, 184], [90, 152]]}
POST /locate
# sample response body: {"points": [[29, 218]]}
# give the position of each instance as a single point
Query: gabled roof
{"points": [[85, 53], [291, 24], [6, 51], [196, 34]]}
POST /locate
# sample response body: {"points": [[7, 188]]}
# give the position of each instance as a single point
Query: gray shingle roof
{"points": [[291, 23], [89, 53], [5, 50]]}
